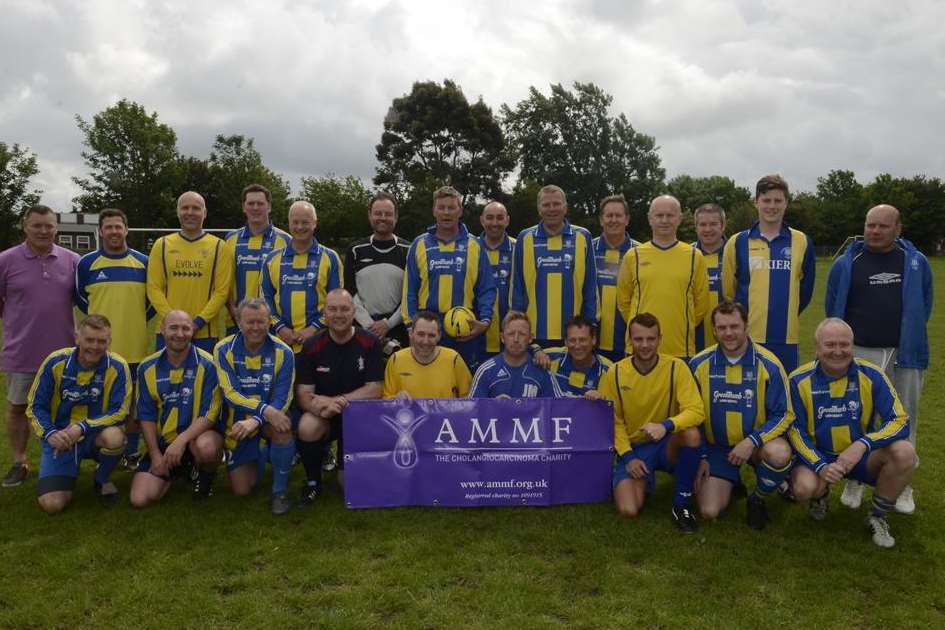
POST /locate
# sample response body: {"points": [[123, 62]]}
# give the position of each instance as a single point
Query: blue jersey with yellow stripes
{"points": [[575, 381], [116, 286], [249, 252], [773, 279], [294, 285], [613, 329], [705, 332], [65, 393], [670, 283], [496, 378], [500, 260], [554, 278], [174, 397], [744, 399], [832, 413], [441, 275], [250, 382]]}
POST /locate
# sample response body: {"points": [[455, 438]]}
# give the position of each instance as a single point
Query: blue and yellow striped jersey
{"points": [[193, 276], [500, 259], [573, 380], [832, 413], [667, 392], [174, 397], [611, 336], [295, 285], [745, 399], [774, 280], [446, 376], [442, 275], [251, 382], [116, 286], [248, 252], [705, 332], [554, 278], [670, 283], [65, 393]]}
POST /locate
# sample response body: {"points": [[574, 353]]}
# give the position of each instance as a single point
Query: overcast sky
{"points": [[737, 87]]}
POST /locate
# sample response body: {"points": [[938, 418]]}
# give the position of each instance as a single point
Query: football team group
{"points": [[263, 338]]}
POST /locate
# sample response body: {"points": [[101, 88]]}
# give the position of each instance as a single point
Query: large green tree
{"points": [[570, 139], [435, 135], [235, 163], [17, 168], [133, 164], [841, 208]]}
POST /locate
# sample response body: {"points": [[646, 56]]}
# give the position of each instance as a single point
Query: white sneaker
{"points": [[852, 496], [880, 530], [905, 504]]}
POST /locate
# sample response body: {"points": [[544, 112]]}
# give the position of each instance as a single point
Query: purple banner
{"points": [[477, 452]]}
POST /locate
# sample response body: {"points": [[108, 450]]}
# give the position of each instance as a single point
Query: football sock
{"points": [[262, 461], [281, 455], [686, 468], [312, 454], [769, 478], [131, 444], [107, 460], [881, 505]]}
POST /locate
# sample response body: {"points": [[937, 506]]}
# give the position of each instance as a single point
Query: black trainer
{"points": [[16, 475], [203, 486], [130, 462], [308, 494], [107, 493], [684, 519], [757, 512]]}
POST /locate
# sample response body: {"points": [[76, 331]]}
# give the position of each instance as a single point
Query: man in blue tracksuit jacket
{"points": [[882, 287]]}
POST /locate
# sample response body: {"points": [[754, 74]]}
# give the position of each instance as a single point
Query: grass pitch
{"points": [[229, 564]]}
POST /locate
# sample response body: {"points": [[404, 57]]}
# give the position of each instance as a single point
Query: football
{"points": [[458, 321]]}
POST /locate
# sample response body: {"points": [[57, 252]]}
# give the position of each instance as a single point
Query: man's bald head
{"points": [[191, 197], [303, 206], [664, 216], [339, 296], [667, 202], [882, 227]]}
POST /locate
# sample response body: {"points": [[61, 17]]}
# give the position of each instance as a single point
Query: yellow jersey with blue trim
{"points": [[773, 279], [66, 393], [295, 285], [193, 276], [174, 397], [446, 376], [670, 283], [441, 275], [705, 331], [611, 335], [554, 278], [572, 380], [500, 261], [250, 381], [116, 286], [831, 413], [745, 398], [248, 252], [665, 394]]}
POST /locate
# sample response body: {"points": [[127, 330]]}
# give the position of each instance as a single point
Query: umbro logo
{"points": [[101, 276], [885, 278], [186, 274]]}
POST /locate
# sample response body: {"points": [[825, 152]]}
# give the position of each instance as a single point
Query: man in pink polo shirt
{"points": [[36, 282]]}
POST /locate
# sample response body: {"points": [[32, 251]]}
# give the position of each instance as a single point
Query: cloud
{"points": [[738, 88]]}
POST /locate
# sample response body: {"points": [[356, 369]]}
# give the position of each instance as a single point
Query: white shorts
{"points": [[18, 387]]}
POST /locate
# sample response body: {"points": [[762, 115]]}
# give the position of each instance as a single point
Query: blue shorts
{"points": [[719, 466], [654, 454], [246, 452], [67, 464], [859, 473]]}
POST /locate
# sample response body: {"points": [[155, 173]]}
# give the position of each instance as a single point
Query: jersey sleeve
{"points": [[226, 375], [518, 293], [590, 299], [81, 293], [480, 382], [157, 279], [411, 295], [608, 389], [39, 401], [700, 287], [391, 382], [268, 286], [284, 382], [146, 409], [778, 410], [691, 412], [801, 442], [374, 370], [808, 274], [728, 269], [886, 403], [627, 285], [485, 289], [211, 402], [462, 377]]}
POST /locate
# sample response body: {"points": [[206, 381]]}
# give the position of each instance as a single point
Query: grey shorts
{"points": [[18, 386]]}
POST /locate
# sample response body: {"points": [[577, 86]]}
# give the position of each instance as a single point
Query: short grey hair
{"points": [[830, 321], [253, 304]]}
